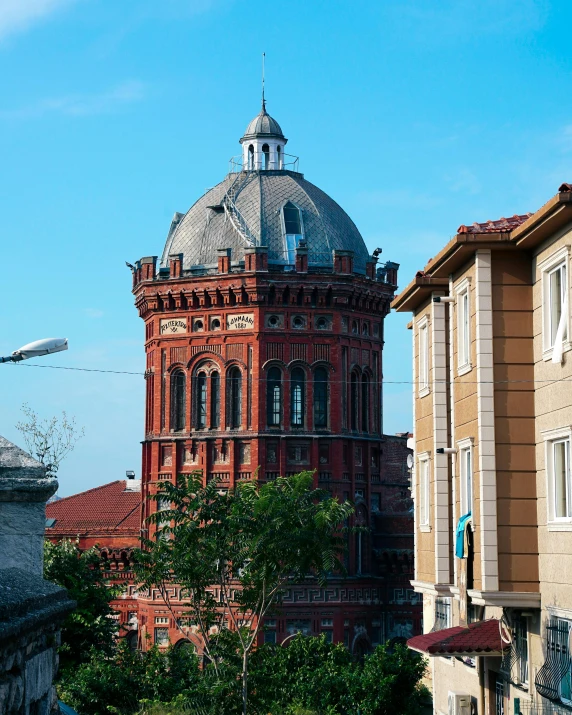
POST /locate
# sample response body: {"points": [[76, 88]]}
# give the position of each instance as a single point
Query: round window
{"points": [[198, 324], [298, 322], [215, 324], [355, 327], [365, 329], [273, 321], [322, 323]]}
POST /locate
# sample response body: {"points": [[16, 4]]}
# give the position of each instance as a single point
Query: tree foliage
{"points": [[248, 545], [124, 683], [90, 625], [49, 440], [306, 677]]}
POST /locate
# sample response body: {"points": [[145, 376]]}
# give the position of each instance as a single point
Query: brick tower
{"points": [[264, 336]]}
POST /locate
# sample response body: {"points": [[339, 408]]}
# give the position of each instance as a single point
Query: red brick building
{"points": [[263, 339], [108, 517]]}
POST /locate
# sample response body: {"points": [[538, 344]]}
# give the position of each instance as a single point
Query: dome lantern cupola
{"points": [[263, 143]]}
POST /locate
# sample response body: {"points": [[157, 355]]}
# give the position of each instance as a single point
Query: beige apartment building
{"points": [[492, 400]]}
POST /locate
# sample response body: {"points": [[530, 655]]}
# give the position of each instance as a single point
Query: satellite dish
{"points": [[409, 461]]}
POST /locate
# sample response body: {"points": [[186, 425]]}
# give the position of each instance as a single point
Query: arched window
{"points": [[354, 401], [365, 403], [292, 230], [178, 400], [234, 398], [250, 157], [201, 401], [297, 397], [274, 397], [215, 400], [320, 398], [266, 152], [279, 155]]}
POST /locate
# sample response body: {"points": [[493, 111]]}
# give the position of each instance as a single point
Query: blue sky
{"points": [[415, 116]]}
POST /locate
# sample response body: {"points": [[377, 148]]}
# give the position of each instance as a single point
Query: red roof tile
{"points": [[503, 225], [109, 507], [478, 638]]}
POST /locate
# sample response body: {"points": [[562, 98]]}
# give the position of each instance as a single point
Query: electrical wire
{"points": [[458, 381]]}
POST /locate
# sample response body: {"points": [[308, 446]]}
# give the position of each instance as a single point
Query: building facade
{"points": [[492, 414], [109, 519], [263, 339]]}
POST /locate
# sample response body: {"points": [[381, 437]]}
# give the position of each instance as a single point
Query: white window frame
{"points": [[463, 306], [423, 357], [466, 495], [424, 492], [551, 438], [556, 261]]}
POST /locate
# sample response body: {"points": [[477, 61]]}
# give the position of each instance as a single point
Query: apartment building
{"points": [[492, 400]]}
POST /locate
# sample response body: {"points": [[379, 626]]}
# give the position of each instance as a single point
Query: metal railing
{"points": [[287, 162], [551, 676]]}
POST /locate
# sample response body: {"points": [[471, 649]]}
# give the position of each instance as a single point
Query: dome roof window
{"points": [[293, 231]]}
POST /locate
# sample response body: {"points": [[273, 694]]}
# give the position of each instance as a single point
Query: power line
{"points": [[458, 381]]}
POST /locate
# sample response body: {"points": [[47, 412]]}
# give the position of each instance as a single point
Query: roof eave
{"points": [[555, 214], [418, 291]]}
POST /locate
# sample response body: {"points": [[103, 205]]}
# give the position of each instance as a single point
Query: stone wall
{"points": [[31, 610]]}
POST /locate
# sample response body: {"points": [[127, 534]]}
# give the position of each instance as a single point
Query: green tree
{"points": [[127, 680], [90, 625], [248, 545]]}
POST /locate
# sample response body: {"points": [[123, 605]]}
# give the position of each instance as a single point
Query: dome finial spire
{"points": [[263, 99]]}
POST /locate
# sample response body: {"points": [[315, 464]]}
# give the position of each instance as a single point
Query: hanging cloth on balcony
{"points": [[462, 537]]}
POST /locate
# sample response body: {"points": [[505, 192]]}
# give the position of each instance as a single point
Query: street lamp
{"points": [[37, 349]]}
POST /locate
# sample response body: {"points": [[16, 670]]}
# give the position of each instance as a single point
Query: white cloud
{"points": [[18, 15], [80, 105]]}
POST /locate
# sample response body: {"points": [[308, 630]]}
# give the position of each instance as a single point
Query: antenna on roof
{"points": [[263, 100]]}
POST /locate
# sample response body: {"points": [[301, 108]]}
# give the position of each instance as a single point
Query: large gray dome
{"points": [[259, 198]]}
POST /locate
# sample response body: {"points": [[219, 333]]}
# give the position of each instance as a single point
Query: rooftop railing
{"points": [[287, 162]]}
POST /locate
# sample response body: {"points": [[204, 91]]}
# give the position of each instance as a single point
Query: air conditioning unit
{"points": [[459, 703]]}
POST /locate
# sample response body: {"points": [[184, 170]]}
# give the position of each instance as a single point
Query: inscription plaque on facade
{"points": [[171, 326], [240, 321]]}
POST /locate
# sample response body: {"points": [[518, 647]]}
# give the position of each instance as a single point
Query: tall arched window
{"points": [[215, 400], [320, 398], [279, 155], [201, 401], [178, 400], [274, 397], [234, 398], [250, 158], [266, 153], [365, 403], [297, 397], [354, 401]]}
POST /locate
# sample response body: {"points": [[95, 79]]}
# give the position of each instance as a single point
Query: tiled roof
{"points": [[106, 508], [503, 225], [478, 638]]}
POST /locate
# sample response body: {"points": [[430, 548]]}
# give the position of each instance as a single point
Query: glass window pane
{"points": [[201, 400], [297, 398], [320, 398], [292, 223], [560, 468], [215, 400], [555, 290], [274, 397]]}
